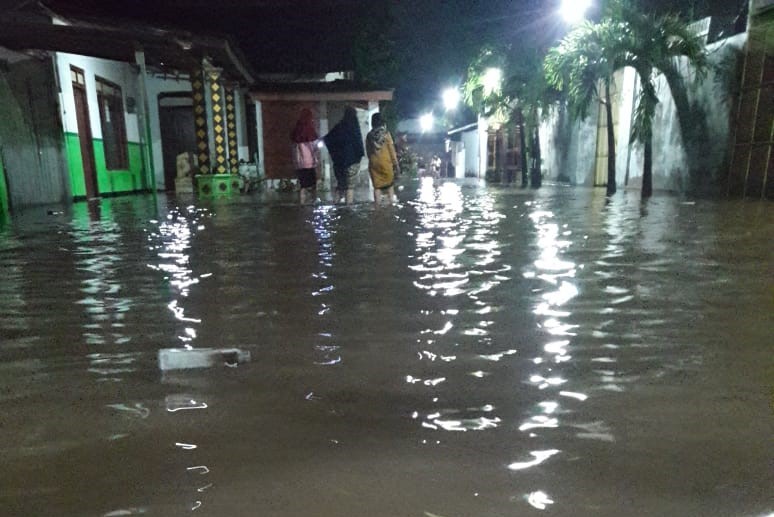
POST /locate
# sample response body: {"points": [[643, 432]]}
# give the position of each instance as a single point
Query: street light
{"points": [[426, 122], [574, 11], [491, 80], [451, 98]]}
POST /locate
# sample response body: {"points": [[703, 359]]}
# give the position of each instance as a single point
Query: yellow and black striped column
{"points": [[233, 148], [220, 162], [200, 119]]}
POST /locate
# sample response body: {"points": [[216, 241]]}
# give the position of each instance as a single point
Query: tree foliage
{"points": [[583, 60], [626, 36]]}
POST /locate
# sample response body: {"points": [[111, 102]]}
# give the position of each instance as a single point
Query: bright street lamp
{"points": [[451, 98], [426, 122], [574, 11], [491, 80]]}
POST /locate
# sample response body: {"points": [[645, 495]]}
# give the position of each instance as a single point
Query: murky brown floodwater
{"points": [[473, 352]]}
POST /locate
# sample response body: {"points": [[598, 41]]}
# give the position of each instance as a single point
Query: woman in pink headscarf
{"points": [[305, 155]]}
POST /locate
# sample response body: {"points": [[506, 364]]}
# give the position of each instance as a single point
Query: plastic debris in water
{"points": [[188, 359]]}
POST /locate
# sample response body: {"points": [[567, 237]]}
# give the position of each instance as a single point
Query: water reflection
{"points": [[171, 242], [538, 458], [171, 239], [98, 253], [539, 500], [323, 221]]}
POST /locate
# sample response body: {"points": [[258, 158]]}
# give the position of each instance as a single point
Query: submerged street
{"points": [[472, 351]]}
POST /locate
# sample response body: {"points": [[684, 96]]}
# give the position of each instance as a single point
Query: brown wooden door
{"points": [[177, 136], [84, 136]]}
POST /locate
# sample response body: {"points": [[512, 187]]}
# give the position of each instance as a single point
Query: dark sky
{"points": [[317, 35]]}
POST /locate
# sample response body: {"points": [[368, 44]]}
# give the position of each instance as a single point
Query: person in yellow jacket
{"points": [[382, 160]]}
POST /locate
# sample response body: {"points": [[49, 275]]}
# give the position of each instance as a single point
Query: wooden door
{"points": [[177, 136], [512, 154], [84, 134]]}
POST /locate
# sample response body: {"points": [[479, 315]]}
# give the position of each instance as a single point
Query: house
{"points": [[487, 148], [90, 109], [278, 101]]}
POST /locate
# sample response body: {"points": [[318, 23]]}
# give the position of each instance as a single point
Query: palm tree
{"points": [[585, 58], [651, 44], [627, 37], [523, 97]]}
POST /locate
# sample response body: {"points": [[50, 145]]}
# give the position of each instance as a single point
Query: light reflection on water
{"points": [[471, 352]]}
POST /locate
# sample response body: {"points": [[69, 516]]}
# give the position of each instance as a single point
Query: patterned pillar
{"points": [[220, 165], [200, 119], [233, 148]]}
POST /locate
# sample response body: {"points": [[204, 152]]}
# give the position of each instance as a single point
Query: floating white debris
{"points": [[186, 359]]}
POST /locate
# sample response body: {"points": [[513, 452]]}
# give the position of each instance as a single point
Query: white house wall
{"points": [[483, 142], [122, 74], [156, 86], [243, 150], [470, 140], [568, 147]]}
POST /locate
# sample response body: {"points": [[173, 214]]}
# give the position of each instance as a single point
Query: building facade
{"points": [[94, 110]]}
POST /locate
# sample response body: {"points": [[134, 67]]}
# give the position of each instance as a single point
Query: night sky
{"points": [[317, 35]]}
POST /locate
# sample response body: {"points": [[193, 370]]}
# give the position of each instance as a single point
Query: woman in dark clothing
{"points": [[345, 145]]}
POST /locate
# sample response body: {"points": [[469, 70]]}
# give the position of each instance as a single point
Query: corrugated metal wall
{"points": [[31, 137]]}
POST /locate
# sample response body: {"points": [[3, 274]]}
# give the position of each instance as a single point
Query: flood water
{"points": [[471, 352]]}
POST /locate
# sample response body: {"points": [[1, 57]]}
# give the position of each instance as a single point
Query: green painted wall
{"points": [[108, 182]]}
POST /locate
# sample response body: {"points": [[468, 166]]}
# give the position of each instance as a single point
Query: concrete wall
{"points": [[243, 150], [277, 119], [569, 146], [157, 85], [117, 72], [124, 75]]}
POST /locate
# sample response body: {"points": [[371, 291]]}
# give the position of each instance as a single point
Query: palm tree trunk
{"points": [[523, 147], [536, 179], [647, 169], [610, 141]]}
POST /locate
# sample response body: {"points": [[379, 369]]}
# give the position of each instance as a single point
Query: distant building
{"points": [[487, 148]]}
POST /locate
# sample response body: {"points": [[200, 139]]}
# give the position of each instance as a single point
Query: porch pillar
{"points": [[233, 147], [146, 141], [200, 119], [215, 90]]}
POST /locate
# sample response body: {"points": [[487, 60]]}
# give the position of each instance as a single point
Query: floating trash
{"points": [[187, 359]]}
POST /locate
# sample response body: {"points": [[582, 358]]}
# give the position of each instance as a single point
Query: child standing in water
{"points": [[305, 156], [382, 160]]}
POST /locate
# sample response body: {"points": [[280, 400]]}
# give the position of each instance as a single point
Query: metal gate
{"points": [[31, 138]]}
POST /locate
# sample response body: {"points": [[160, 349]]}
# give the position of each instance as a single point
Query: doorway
{"points": [[84, 132], [178, 132]]}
